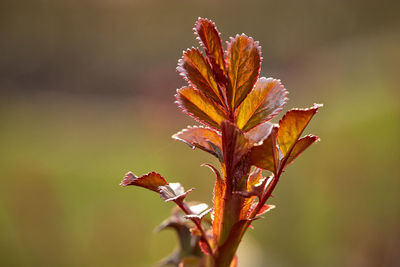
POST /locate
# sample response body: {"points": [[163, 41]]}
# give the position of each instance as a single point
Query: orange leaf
{"points": [[194, 68], [301, 145], [202, 138], [292, 125], [263, 103], [219, 193], [209, 38], [254, 178], [265, 155], [244, 62], [150, 181], [196, 104]]}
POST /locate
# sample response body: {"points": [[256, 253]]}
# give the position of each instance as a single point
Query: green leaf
{"points": [[264, 102]]}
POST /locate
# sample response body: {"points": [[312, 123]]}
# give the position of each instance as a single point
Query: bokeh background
{"points": [[87, 94]]}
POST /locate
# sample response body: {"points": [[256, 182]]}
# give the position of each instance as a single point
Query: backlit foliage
{"points": [[235, 107]]}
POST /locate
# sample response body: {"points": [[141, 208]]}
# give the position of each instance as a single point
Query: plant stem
{"points": [[185, 208]]}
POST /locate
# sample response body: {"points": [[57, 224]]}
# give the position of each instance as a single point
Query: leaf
{"points": [[198, 208], [188, 243], [256, 189], [254, 178], [259, 133], [265, 155], [210, 40], [243, 59], [204, 138], [264, 210], [173, 192], [196, 215], [150, 181], [194, 68], [301, 145], [218, 201], [264, 102], [292, 125], [194, 103]]}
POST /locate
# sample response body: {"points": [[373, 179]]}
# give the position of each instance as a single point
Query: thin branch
{"points": [[185, 208]]}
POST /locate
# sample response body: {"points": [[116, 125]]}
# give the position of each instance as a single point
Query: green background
{"points": [[87, 95]]}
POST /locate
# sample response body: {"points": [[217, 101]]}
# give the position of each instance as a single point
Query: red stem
{"points": [[197, 222]]}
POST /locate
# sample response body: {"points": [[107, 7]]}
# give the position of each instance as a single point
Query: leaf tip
{"points": [[128, 179]]}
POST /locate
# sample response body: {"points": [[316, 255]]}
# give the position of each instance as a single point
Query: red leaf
{"points": [[194, 103], [259, 133], [292, 125], [204, 138], [263, 103], [214, 170], [210, 40], [150, 181], [264, 210], [265, 155], [243, 59], [301, 145], [194, 68]]}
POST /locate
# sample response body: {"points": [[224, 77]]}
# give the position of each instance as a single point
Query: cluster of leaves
{"points": [[235, 106]]}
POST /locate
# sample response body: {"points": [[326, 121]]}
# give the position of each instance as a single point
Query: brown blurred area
{"points": [[86, 94]]}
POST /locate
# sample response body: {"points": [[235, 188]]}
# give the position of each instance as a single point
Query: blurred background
{"points": [[87, 95]]}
